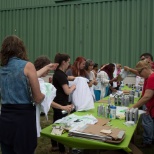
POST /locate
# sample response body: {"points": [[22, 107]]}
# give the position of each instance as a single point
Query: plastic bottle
{"points": [[112, 112]]}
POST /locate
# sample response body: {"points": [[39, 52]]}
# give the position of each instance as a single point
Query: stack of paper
{"points": [[98, 132]]}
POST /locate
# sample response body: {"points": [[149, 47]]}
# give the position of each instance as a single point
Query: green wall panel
{"points": [[102, 30]]}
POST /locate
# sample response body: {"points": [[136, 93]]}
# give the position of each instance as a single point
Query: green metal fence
{"points": [[103, 30]]}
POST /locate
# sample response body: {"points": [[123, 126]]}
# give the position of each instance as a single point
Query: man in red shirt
{"points": [[144, 70], [145, 56], [149, 58], [147, 121]]}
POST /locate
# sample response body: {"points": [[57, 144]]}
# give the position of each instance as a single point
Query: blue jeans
{"points": [[148, 128]]}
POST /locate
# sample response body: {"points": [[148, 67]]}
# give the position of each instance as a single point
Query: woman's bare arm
{"points": [[30, 72], [47, 68], [68, 89]]}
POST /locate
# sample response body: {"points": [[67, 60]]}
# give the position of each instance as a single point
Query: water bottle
{"points": [[113, 112]]}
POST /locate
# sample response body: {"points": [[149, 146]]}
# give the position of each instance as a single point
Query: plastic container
{"points": [[113, 112]]}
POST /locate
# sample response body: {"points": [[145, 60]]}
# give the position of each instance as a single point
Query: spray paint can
{"points": [[135, 115], [107, 112], [127, 115], [131, 114], [103, 111], [98, 110]]}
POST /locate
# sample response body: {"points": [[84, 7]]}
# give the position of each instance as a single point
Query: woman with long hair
{"points": [[105, 79], [19, 89], [78, 68]]}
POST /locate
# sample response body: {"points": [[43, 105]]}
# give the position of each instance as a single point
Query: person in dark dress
{"points": [[19, 88], [19, 91]]}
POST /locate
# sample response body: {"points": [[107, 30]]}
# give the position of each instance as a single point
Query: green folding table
{"points": [[82, 143]]}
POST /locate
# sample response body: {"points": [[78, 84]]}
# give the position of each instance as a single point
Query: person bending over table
{"points": [[147, 121], [105, 80], [60, 81], [144, 70]]}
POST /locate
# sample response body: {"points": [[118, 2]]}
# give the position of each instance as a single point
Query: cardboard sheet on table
{"points": [[102, 121], [102, 101], [126, 91], [106, 101], [95, 130]]}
